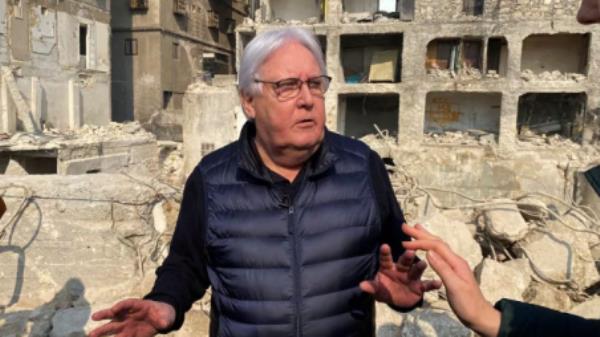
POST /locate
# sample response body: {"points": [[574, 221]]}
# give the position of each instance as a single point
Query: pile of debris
{"points": [[467, 137], [53, 138], [529, 76], [533, 247]]}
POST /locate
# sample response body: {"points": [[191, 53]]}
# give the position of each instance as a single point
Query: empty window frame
{"points": [[566, 53], [473, 7], [454, 54], [131, 47], [175, 50], [372, 58], [359, 113], [83, 40], [462, 111], [167, 97], [497, 56], [297, 9], [551, 113]]}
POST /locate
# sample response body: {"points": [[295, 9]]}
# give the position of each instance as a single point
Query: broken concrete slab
{"points": [[532, 208], [456, 234], [430, 323], [503, 221], [494, 277], [548, 296]]}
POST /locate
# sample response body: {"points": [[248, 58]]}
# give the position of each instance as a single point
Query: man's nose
{"points": [[305, 98]]}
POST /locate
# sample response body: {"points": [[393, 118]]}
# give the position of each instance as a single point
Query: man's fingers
{"points": [[385, 257], [368, 287], [416, 270], [431, 285], [103, 314], [108, 329], [406, 260], [124, 306]]}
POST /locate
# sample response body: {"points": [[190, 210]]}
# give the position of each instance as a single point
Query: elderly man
{"points": [[295, 228]]}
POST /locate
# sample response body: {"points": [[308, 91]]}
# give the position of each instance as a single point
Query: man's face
{"points": [[297, 123], [589, 12]]}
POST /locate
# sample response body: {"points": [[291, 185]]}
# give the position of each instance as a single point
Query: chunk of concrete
{"points": [[532, 208], [547, 296], [456, 234], [588, 309], [429, 323], [504, 221], [498, 281], [551, 251]]}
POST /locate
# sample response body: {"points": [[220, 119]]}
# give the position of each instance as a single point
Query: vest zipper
{"points": [[295, 267]]}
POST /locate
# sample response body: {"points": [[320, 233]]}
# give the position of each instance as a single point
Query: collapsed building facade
{"points": [[159, 48], [473, 85]]}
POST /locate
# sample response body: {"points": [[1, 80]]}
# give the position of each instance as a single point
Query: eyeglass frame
{"points": [[302, 82]]}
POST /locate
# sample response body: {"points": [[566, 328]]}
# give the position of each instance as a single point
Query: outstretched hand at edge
{"points": [[462, 289]]}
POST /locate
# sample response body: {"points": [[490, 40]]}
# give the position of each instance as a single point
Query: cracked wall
{"points": [[47, 58]]}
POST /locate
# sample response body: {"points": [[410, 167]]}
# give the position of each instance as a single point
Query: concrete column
{"points": [[209, 120], [36, 102], [507, 138], [8, 115], [75, 118], [333, 11], [515, 52], [411, 119]]}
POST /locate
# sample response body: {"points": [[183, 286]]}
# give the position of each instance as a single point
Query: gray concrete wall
{"points": [[295, 10]]}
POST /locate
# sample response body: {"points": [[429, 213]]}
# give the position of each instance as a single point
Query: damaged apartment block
{"points": [[55, 79], [473, 75]]}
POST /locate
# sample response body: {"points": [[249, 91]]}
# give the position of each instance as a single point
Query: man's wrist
{"points": [[487, 324]]}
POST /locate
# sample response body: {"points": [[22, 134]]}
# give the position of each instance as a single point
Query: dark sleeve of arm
{"points": [[182, 278], [392, 217], [526, 320]]}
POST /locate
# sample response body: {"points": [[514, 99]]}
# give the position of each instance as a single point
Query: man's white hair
{"points": [[265, 44]]}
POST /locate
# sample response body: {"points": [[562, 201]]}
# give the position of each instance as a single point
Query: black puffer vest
{"points": [[281, 267]]}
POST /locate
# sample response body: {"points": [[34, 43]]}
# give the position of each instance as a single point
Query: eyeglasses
{"points": [[290, 87]]}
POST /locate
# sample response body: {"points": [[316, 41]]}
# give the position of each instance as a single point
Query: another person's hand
{"points": [[399, 284], [462, 289], [134, 318]]}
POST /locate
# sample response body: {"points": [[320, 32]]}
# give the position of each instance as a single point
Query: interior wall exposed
{"points": [[359, 53], [552, 113], [461, 111], [567, 53], [296, 10], [454, 54], [358, 6], [358, 114]]}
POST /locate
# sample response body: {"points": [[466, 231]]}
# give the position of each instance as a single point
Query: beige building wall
{"points": [[56, 64], [170, 45]]}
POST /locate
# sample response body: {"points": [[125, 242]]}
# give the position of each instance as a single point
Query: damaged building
{"points": [[55, 64], [464, 74], [55, 79], [159, 48]]}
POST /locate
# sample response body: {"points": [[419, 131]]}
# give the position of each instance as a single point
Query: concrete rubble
{"points": [[111, 148]]}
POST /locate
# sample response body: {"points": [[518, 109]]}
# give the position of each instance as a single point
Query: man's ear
{"points": [[248, 105]]}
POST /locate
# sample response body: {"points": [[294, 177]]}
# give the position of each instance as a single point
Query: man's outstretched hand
{"points": [[399, 283], [134, 318]]}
